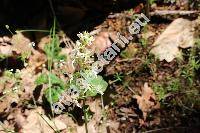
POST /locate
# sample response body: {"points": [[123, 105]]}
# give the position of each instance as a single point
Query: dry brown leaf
{"points": [[37, 60], [102, 42], [6, 102], [34, 123], [6, 50], [28, 83], [1, 40], [95, 125], [113, 126], [5, 47], [21, 44], [6, 39], [68, 66], [10, 94], [178, 34], [147, 101], [156, 121], [6, 125], [43, 41]]}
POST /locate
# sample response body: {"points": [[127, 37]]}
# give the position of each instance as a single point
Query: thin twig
{"points": [[48, 123], [132, 90], [129, 60], [177, 93], [5, 130], [116, 15], [160, 129]]}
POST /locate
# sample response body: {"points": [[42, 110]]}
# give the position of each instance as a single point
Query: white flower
{"points": [[15, 89], [99, 90], [11, 70], [6, 92], [18, 71], [32, 44], [43, 65], [85, 38], [25, 64]]}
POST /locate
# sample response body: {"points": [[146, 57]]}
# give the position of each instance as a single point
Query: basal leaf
{"points": [[98, 86], [42, 79], [52, 94]]}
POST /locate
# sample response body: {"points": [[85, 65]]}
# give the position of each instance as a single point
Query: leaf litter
{"points": [[29, 120], [179, 34], [146, 101]]}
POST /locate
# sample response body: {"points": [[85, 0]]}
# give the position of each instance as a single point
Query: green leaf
{"points": [[55, 80], [98, 86], [88, 113], [52, 94], [55, 89], [53, 49], [42, 79], [90, 84]]}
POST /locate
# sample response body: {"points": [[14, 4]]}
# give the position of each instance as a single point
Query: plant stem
{"points": [[147, 8], [85, 117], [32, 30], [50, 63], [102, 104]]}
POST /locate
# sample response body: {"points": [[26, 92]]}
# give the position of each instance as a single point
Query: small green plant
{"points": [[57, 86], [84, 80], [24, 56], [149, 64], [129, 52], [118, 77], [159, 91], [88, 113], [2, 57], [163, 89], [14, 78], [173, 85], [189, 70], [144, 40]]}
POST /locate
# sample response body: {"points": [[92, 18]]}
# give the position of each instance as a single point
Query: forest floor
{"points": [[153, 84]]}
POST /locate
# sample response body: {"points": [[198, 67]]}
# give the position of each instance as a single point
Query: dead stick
{"points": [[173, 12]]}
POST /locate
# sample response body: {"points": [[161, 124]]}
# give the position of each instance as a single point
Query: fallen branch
{"points": [[173, 12]]}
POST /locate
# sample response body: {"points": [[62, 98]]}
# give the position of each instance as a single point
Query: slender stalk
{"points": [[32, 30], [102, 104], [8, 28], [85, 117], [50, 62], [103, 113]]}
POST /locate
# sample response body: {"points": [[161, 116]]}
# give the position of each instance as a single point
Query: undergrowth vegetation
{"points": [[137, 91], [182, 90]]}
